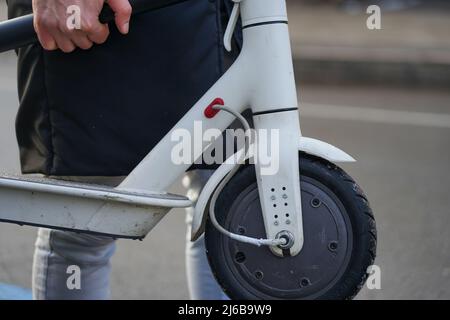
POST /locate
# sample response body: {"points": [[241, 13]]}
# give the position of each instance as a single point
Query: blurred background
{"points": [[381, 95]]}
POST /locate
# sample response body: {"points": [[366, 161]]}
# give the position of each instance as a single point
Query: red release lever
{"points": [[210, 112]]}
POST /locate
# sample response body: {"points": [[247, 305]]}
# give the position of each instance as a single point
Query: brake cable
{"points": [[226, 179]]}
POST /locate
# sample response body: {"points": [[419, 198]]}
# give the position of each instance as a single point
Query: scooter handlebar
{"points": [[19, 32]]}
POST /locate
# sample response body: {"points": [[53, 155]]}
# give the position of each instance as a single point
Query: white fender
{"points": [[323, 150], [308, 145]]}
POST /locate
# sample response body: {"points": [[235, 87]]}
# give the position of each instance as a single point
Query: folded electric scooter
{"points": [[293, 227]]}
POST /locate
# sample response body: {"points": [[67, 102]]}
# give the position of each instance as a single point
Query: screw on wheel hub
{"points": [[288, 236]]}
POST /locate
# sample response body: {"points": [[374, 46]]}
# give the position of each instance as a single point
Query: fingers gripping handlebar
{"points": [[19, 32]]}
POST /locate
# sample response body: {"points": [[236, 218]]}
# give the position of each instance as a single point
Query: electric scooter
{"points": [[302, 231]]}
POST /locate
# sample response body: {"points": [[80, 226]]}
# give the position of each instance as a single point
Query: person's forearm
{"points": [[54, 32]]}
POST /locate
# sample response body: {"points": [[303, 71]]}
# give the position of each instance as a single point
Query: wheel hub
{"points": [[323, 259]]}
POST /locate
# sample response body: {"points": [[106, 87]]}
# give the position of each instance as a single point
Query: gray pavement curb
{"points": [[417, 67], [320, 71]]}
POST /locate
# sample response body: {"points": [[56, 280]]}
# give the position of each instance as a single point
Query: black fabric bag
{"points": [[99, 112]]}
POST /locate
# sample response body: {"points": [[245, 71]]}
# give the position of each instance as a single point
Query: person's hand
{"points": [[50, 23]]}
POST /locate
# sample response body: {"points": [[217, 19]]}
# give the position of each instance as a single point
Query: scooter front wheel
{"points": [[339, 238]]}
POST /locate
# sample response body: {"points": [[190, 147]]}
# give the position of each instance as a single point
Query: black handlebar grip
{"points": [[19, 32]]}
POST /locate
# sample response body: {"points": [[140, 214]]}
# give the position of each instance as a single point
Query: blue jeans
{"points": [[57, 250]]}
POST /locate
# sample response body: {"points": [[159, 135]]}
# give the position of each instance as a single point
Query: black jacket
{"points": [[99, 112]]}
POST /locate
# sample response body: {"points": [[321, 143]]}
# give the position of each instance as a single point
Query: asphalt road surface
{"points": [[401, 139]]}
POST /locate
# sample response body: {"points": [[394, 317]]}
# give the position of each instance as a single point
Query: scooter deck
{"points": [[85, 208]]}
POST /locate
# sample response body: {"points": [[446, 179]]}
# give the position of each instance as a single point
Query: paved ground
{"points": [[423, 27], [400, 138], [413, 46]]}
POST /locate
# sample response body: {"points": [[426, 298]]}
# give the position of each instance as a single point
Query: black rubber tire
{"points": [[346, 190]]}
